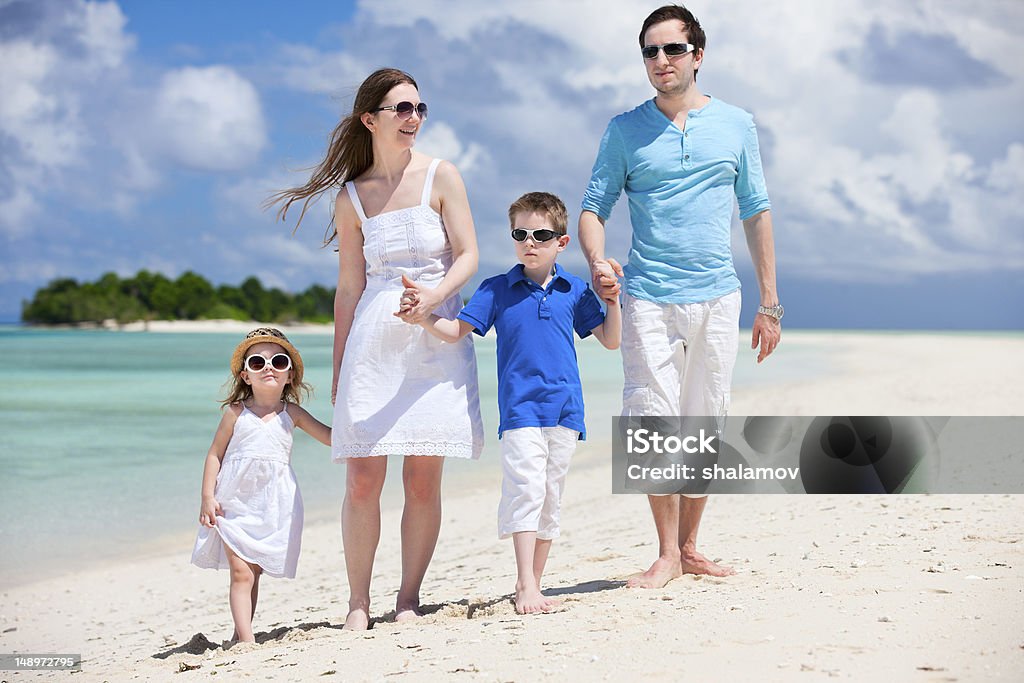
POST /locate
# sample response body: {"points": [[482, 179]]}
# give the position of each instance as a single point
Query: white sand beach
{"points": [[219, 326], [906, 588]]}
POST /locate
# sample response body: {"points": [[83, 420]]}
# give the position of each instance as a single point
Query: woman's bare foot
{"points": [[695, 563], [243, 646], [407, 611], [661, 572], [358, 619]]}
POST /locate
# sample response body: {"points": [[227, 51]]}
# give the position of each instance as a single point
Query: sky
{"points": [[147, 135]]}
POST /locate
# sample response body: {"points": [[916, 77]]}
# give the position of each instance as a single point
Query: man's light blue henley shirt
{"points": [[680, 185]]}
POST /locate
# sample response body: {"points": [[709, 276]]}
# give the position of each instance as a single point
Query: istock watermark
{"points": [[859, 454]]}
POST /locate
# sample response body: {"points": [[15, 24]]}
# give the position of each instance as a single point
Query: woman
{"points": [[396, 389]]}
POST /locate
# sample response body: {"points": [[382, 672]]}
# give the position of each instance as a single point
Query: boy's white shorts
{"points": [[534, 463], [678, 359]]}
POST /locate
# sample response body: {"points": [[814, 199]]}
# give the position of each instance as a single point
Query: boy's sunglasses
{"points": [[405, 109], [671, 50], [279, 362], [539, 235]]}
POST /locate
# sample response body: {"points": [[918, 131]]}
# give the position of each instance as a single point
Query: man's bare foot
{"points": [[661, 572], [358, 619], [532, 601], [408, 611], [695, 563]]}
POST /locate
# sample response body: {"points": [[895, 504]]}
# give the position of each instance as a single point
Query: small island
{"points": [[150, 296]]}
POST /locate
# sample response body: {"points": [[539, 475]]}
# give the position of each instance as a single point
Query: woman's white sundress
{"points": [[402, 391], [257, 491]]}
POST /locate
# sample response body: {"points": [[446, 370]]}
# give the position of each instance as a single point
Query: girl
{"points": [[399, 213], [251, 511]]}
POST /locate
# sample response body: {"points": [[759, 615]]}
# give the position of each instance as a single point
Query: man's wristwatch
{"points": [[775, 311]]}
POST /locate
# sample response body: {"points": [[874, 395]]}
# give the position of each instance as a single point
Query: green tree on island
{"points": [[153, 296]]}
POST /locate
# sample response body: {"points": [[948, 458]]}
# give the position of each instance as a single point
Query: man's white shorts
{"points": [[678, 359], [534, 463]]}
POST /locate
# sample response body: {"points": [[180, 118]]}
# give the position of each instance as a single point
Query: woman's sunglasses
{"points": [[279, 362], [539, 235], [405, 109], [671, 50]]}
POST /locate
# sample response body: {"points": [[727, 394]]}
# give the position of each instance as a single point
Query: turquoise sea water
{"points": [[105, 435]]}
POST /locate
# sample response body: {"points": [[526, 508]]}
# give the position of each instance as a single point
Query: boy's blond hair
{"points": [[541, 202]]}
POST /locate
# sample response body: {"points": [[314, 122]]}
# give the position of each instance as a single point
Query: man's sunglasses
{"points": [[405, 109], [539, 235], [671, 50], [279, 362]]}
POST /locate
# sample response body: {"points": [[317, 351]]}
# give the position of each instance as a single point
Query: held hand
{"points": [[767, 332], [417, 303], [209, 510], [410, 295], [605, 274]]}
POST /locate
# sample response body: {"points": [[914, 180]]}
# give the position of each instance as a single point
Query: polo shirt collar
{"points": [[516, 274]]}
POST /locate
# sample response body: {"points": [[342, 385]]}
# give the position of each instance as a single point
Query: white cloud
{"points": [[277, 257], [305, 68], [41, 123], [83, 128], [210, 118], [439, 140], [102, 33], [55, 71], [868, 178], [31, 270], [1007, 174], [245, 198], [18, 209]]}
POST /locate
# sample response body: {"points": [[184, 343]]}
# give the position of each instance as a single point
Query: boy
{"points": [[535, 307]]}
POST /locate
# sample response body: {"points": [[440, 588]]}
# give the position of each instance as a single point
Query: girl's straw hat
{"points": [[273, 336]]}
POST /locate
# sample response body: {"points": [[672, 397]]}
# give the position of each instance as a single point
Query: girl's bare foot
{"points": [[532, 601]]}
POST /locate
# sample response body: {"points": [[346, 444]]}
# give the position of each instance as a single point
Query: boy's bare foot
{"points": [[532, 601], [695, 563], [358, 619], [661, 572]]}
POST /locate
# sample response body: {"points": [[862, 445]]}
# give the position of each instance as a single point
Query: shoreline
{"points": [[455, 486], [868, 374], [226, 325]]}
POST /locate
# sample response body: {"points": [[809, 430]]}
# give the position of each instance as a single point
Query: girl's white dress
{"points": [[257, 491], [402, 391]]}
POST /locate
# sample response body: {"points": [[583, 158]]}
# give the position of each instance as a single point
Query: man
{"points": [[681, 157]]}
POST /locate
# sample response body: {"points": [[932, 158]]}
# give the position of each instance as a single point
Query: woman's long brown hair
{"points": [[349, 148]]}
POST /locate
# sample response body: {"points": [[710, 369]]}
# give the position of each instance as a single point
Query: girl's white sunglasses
{"points": [[279, 362]]}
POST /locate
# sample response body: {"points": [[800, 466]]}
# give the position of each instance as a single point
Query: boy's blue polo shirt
{"points": [[538, 375]]}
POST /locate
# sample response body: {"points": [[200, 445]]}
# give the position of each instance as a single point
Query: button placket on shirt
{"points": [[687, 148], [543, 307]]}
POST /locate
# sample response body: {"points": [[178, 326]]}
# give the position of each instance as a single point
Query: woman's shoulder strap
{"points": [[429, 183], [354, 196]]}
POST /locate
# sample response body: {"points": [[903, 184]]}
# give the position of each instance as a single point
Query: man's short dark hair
{"points": [[694, 33]]}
